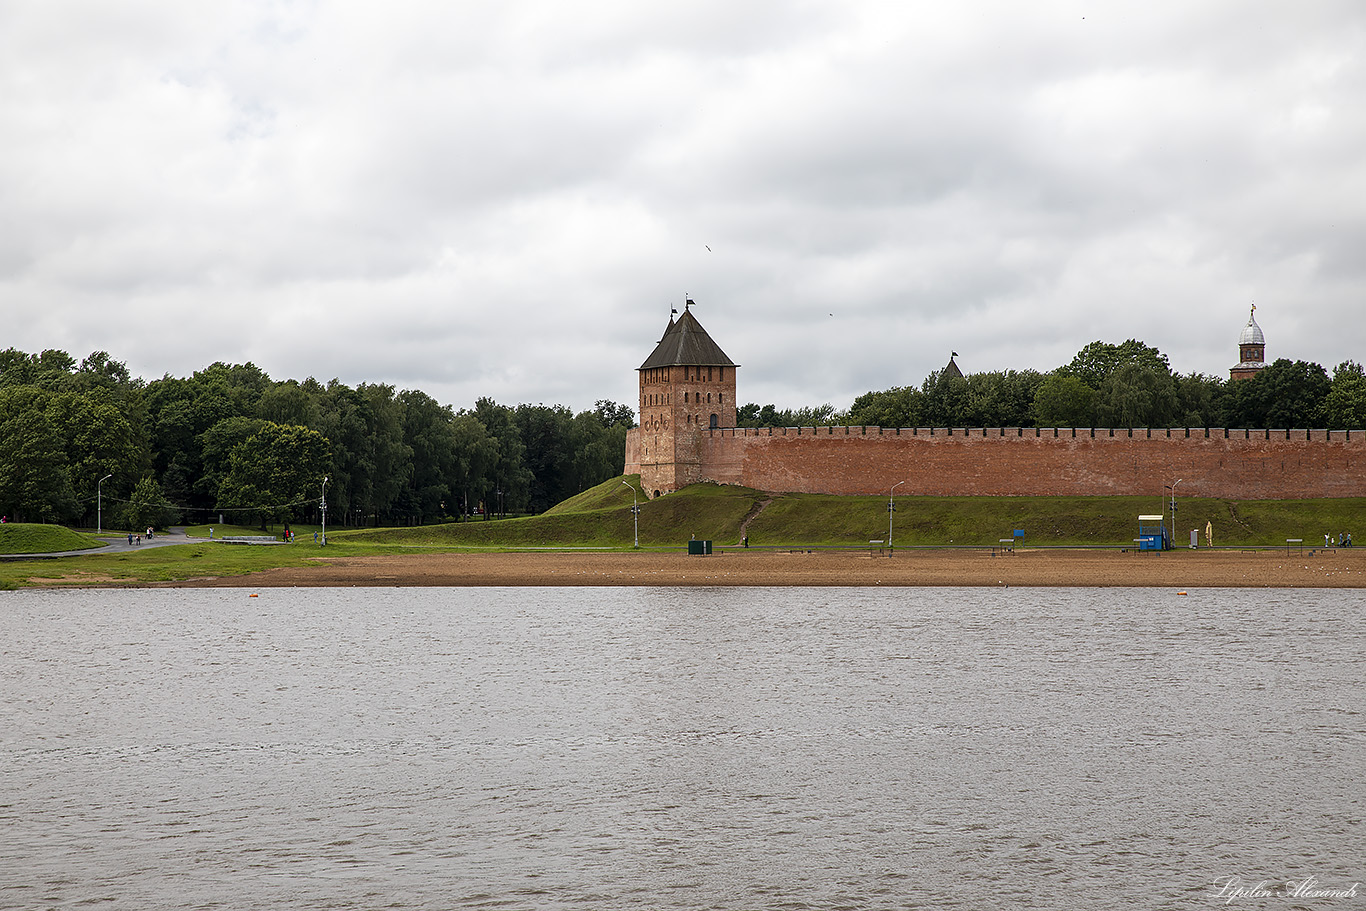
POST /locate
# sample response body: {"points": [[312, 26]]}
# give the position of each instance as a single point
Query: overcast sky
{"points": [[507, 198]]}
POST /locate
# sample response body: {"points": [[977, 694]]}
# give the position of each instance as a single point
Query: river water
{"points": [[681, 748]]}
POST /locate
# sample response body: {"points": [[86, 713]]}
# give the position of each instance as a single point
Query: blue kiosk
{"points": [[1152, 533]]}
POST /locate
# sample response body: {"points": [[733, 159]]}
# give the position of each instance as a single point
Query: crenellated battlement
{"points": [[993, 433]]}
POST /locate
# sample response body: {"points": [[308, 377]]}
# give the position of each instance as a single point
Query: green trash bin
{"points": [[696, 547]]}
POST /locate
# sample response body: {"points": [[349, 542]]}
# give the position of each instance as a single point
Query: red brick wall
{"points": [[1254, 465]]}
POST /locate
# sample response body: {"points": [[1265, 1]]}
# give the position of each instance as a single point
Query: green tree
{"points": [[1064, 400], [276, 473], [1200, 399], [34, 482], [999, 399], [147, 507], [373, 464], [1282, 395], [599, 447], [180, 413], [1137, 395], [752, 415], [547, 436], [291, 402], [900, 406], [1344, 407], [610, 414], [945, 399], [217, 445], [50, 370], [98, 369], [97, 440], [1094, 363], [429, 434], [476, 462], [510, 472], [390, 457]]}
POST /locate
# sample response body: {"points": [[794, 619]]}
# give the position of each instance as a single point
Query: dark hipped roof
{"points": [[685, 342]]}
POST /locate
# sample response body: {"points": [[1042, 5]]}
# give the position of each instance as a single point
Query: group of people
{"points": [[1344, 540]]}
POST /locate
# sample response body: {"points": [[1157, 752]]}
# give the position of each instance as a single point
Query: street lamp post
{"points": [[324, 505], [891, 508], [635, 511], [99, 504], [1172, 488]]}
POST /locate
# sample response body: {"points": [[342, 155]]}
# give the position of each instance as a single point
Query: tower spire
{"points": [[1251, 349]]}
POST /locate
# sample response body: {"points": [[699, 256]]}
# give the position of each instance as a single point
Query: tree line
{"points": [[82, 438], [1105, 385], [77, 439]]}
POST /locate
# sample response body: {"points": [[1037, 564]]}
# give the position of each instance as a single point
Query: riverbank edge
{"points": [[1268, 568]]}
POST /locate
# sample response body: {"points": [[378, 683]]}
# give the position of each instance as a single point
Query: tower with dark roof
{"points": [[687, 388], [1251, 350]]}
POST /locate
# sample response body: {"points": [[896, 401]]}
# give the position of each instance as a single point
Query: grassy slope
{"points": [[29, 538], [601, 517], [598, 517], [1047, 520], [607, 495]]}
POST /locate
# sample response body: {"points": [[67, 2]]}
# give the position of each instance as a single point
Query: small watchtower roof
{"points": [[685, 342]]}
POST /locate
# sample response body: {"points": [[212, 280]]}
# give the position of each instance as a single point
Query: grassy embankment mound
{"points": [[601, 517], [30, 538]]}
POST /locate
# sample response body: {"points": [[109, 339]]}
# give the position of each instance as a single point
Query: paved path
{"points": [[116, 545]]}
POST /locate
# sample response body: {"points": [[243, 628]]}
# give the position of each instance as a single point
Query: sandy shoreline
{"points": [[1176, 569]]}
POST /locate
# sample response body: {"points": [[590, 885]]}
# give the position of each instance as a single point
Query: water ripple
{"points": [[672, 749]]}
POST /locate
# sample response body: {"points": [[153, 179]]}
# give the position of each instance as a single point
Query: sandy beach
{"points": [[1275, 568]]}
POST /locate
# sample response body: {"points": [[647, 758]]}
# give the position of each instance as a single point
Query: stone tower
{"points": [[1251, 350], [687, 388]]}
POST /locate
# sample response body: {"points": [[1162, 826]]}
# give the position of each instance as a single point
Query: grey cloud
{"points": [[506, 199]]}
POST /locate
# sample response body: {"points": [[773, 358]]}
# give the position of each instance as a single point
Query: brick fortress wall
{"points": [[1239, 464]]}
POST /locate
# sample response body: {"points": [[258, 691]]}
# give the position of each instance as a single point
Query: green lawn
{"points": [[601, 518]]}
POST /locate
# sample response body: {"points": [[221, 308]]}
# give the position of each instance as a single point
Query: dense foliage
{"points": [[81, 438], [230, 440], [1124, 385]]}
